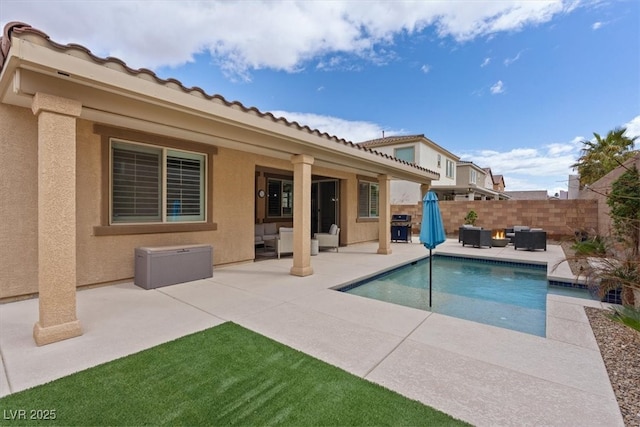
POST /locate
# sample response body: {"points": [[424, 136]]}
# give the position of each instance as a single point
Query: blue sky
{"points": [[511, 85]]}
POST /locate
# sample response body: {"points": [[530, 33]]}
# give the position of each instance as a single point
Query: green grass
{"points": [[225, 375]]}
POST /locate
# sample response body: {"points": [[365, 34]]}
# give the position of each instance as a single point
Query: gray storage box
{"points": [[168, 265]]}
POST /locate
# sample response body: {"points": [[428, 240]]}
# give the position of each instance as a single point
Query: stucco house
{"points": [[100, 158], [419, 150], [472, 183]]}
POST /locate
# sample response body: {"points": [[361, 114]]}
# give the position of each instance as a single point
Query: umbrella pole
{"points": [[430, 270]]}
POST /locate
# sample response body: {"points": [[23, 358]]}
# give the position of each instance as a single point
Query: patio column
{"points": [[424, 189], [384, 217], [56, 218], [301, 215]]}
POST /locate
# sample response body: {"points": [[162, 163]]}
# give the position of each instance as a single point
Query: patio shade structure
{"points": [[432, 230]]}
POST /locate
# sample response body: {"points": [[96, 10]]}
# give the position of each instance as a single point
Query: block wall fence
{"points": [[559, 218]]}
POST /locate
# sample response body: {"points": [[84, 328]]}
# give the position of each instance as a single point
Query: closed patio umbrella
{"points": [[432, 230]]}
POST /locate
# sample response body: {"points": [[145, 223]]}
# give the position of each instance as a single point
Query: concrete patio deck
{"points": [[481, 374]]}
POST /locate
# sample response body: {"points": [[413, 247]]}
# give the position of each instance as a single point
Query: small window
{"points": [[473, 177], [279, 198], [439, 161], [154, 184], [450, 168], [368, 199], [405, 153]]}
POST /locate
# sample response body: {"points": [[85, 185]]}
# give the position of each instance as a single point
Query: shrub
{"points": [[594, 246]]}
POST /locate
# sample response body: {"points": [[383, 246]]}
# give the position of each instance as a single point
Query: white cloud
{"points": [[546, 168], [485, 62], [596, 25], [354, 131], [425, 68], [510, 61], [633, 129], [497, 88], [282, 35]]}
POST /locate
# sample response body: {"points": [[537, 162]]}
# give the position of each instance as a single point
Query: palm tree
{"points": [[600, 156]]}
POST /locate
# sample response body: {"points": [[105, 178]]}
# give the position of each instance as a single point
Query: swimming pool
{"points": [[512, 296]]}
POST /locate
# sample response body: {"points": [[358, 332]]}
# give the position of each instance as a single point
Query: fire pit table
{"points": [[499, 239]]}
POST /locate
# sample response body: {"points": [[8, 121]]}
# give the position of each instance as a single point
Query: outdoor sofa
{"points": [[476, 237], [532, 239], [264, 232]]}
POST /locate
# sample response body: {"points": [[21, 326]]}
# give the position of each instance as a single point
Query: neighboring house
{"points": [[99, 159], [472, 183], [420, 150], [498, 183]]}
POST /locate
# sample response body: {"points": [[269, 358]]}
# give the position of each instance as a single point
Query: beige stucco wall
{"points": [[18, 202], [110, 258], [105, 259]]}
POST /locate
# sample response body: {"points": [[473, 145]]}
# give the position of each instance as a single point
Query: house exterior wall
{"points": [[18, 201], [463, 173], [110, 258], [560, 218], [488, 181], [405, 192]]}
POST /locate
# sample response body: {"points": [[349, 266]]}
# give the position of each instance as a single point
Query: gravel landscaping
{"points": [[620, 348]]}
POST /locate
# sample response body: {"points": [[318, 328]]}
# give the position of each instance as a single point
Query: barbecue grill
{"points": [[401, 228]]}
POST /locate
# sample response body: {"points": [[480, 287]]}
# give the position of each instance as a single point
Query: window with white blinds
{"points": [[279, 198], [368, 199], [153, 184]]}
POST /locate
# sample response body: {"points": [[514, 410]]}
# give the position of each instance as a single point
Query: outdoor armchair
{"points": [[283, 244], [330, 239], [476, 237], [530, 240]]}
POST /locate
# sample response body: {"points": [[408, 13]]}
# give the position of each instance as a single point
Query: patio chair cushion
{"points": [[270, 228], [333, 229]]}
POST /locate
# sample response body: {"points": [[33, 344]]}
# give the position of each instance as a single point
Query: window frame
{"points": [[163, 184], [450, 169], [280, 197], [473, 176], [369, 185], [106, 228], [406, 150]]}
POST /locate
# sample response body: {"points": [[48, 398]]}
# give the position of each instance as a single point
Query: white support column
{"points": [[302, 215], [384, 218], [56, 218]]}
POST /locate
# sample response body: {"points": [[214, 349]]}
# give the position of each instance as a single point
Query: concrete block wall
{"points": [[559, 218]]}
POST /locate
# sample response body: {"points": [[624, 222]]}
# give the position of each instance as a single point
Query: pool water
{"points": [[511, 296]]}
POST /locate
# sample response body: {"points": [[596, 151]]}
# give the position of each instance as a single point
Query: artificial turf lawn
{"points": [[223, 375]]}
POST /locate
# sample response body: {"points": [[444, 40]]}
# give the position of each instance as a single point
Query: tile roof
{"points": [[22, 28], [390, 140]]}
